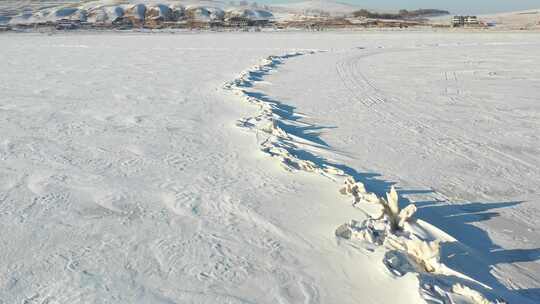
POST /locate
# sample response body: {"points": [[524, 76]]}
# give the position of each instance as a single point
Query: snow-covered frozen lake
{"points": [[125, 177]]}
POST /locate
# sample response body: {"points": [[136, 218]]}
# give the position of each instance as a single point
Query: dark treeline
{"points": [[403, 14]]}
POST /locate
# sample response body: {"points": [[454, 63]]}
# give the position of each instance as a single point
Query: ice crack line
{"points": [[406, 242], [274, 118]]}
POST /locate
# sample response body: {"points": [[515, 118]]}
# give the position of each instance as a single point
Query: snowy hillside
{"points": [[529, 19], [153, 13], [317, 6], [519, 20], [110, 11]]}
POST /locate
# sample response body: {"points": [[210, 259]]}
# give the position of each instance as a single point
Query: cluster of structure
{"points": [[465, 21], [324, 23]]}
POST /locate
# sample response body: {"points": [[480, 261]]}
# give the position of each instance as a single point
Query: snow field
{"points": [[124, 178]]}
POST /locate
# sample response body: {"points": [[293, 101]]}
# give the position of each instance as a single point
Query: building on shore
{"points": [[67, 24], [463, 21]]}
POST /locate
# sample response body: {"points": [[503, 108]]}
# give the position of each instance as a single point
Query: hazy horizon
{"points": [[457, 6]]}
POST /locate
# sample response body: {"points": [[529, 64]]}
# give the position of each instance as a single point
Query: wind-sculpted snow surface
{"points": [[411, 246]]}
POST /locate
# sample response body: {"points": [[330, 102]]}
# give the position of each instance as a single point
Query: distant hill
{"points": [[529, 19], [317, 6], [402, 14]]}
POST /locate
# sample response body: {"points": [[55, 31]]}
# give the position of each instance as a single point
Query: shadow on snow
{"points": [[455, 219]]}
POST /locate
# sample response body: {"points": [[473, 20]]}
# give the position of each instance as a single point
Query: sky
{"points": [[455, 6]]}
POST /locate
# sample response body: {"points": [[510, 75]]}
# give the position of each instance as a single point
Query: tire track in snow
{"points": [[276, 137], [361, 89], [373, 97]]}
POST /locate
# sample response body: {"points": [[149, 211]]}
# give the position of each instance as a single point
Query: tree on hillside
{"points": [[362, 13]]}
